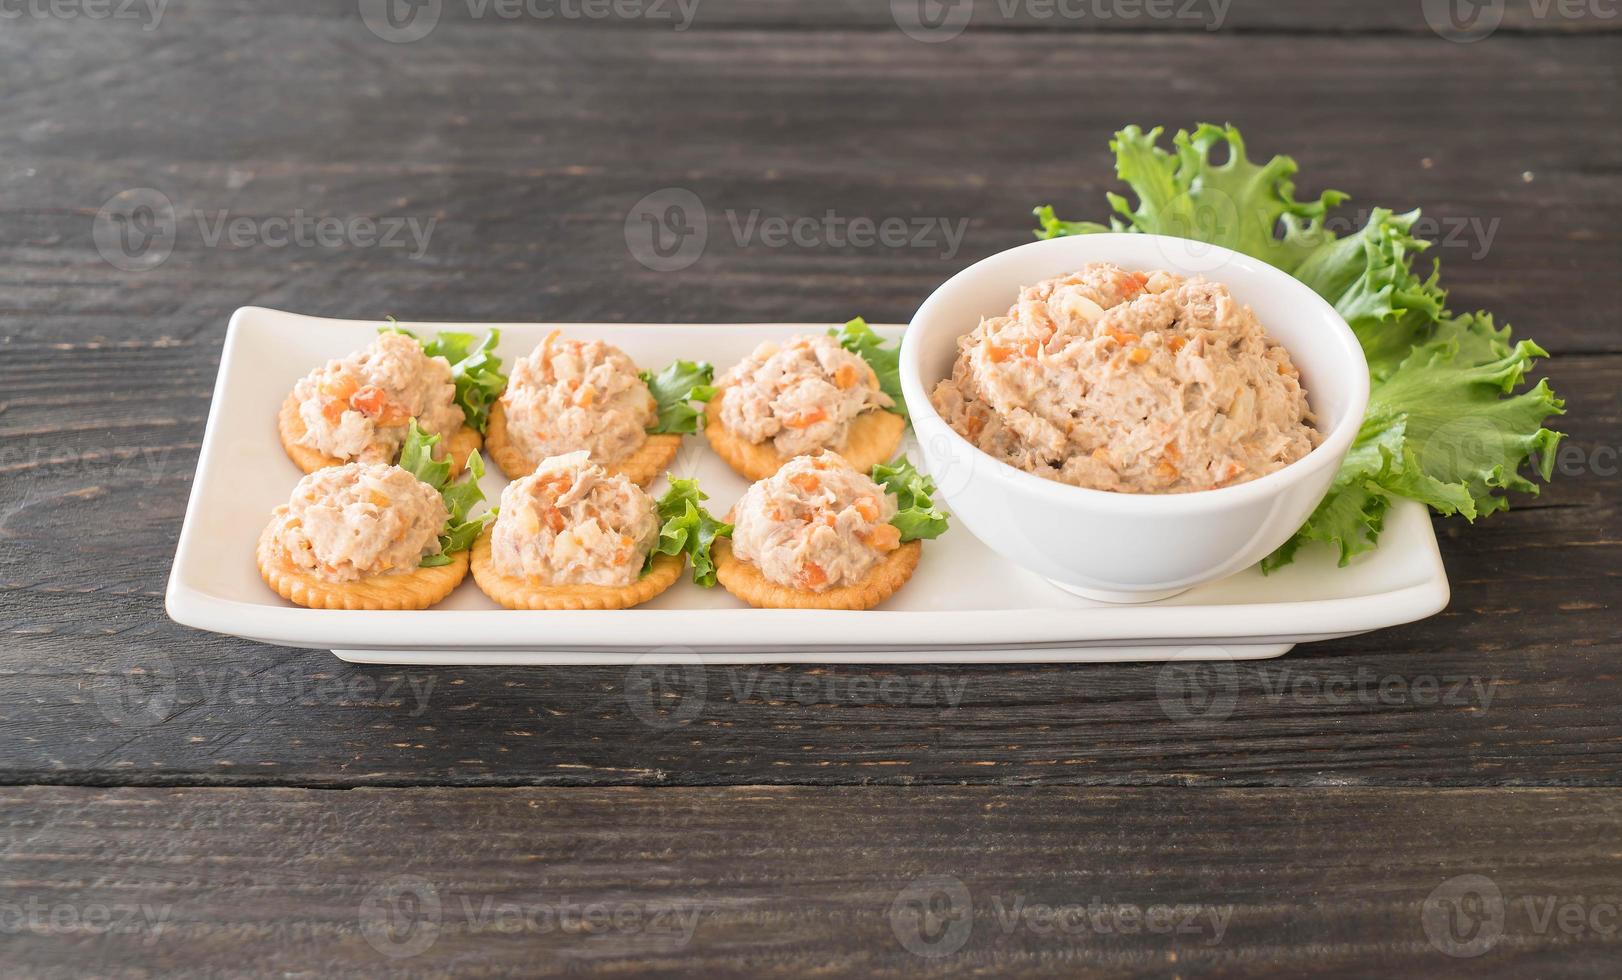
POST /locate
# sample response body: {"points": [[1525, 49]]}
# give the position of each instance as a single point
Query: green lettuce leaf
{"points": [[475, 368], [916, 514], [460, 496], [686, 527], [1444, 425], [859, 338], [675, 389]]}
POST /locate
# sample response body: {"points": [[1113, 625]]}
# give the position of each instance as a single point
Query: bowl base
{"points": [[1120, 598]]}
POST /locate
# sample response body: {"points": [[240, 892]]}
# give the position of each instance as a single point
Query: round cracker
{"points": [[642, 467], [518, 593], [872, 438], [459, 445], [416, 589], [744, 580]]}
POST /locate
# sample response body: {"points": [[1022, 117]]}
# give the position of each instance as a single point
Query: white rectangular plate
{"points": [[964, 605]]}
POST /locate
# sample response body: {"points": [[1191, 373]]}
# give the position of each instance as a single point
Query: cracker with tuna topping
{"points": [[416, 589], [873, 437], [520, 593], [642, 467], [290, 426], [745, 581]]}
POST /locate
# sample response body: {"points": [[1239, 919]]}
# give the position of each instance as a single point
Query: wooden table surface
{"points": [[1437, 799]]}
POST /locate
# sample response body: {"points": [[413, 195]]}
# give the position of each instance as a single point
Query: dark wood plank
{"points": [[1211, 16], [757, 881], [528, 173], [1514, 684]]}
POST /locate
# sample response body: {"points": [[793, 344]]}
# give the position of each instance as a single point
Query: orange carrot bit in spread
{"points": [[1166, 471], [1031, 348], [976, 424], [807, 418], [554, 520], [369, 401], [885, 537], [1122, 337], [868, 508], [379, 499], [1177, 343], [333, 411], [585, 396], [846, 377], [341, 388], [997, 354], [812, 576], [1139, 355], [1100, 455], [806, 481]]}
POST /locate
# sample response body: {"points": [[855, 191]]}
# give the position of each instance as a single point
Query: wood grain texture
{"points": [[528, 173], [756, 881], [1208, 16]]}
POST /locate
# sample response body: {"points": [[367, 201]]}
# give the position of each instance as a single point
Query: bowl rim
{"points": [[1331, 452]]}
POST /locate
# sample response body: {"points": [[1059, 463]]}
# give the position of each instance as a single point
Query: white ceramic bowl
{"points": [[1122, 547]]}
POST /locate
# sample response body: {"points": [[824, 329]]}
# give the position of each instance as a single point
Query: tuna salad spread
{"points": [[570, 395], [1132, 382], [817, 524], [572, 523], [357, 407], [800, 396], [348, 522]]}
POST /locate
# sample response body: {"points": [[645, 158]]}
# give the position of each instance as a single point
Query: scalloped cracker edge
{"points": [[642, 467], [744, 580], [517, 593], [873, 437], [417, 589]]}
